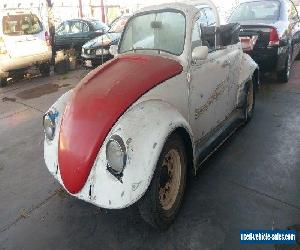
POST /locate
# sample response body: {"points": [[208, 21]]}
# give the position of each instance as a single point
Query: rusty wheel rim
{"points": [[170, 179]]}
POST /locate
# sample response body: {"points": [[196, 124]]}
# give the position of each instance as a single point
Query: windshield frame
{"points": [[154, 49], [247, 2]]}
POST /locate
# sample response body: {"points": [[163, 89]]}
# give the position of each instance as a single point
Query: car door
{"points": [[62, 36], [208, 88], [79, 33], [230, 58]]}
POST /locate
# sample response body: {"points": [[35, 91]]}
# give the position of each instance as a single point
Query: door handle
{"points": [[226, 63]]}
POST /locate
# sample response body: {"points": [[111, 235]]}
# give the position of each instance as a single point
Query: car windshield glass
{"points": [[161, 31], [16, 25], [260, 10], [99, 25], [118, 25]]}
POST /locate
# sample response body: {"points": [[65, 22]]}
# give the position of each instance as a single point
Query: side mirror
{"points": [[200, 53], [113, 50]]}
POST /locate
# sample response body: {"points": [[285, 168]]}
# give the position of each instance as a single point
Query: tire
{"points": [[249, 101], [162, 201], [18, 75], [284, 75], [3, 82], [62, 67], [45, 69]]}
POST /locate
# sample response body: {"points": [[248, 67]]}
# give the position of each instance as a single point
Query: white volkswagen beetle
{"points": [[131, 129]]}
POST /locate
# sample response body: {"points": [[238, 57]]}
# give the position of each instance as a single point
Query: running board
{"points": [[206, 147]]}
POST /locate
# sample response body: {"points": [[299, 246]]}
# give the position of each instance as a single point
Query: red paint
{"points": [[96, 105]]}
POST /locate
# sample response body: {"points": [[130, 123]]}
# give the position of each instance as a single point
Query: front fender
{"points": [[144, 129]]}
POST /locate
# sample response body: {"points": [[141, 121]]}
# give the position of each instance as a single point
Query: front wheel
{"points": [[45, 69], [3, 82], [164, 197]]}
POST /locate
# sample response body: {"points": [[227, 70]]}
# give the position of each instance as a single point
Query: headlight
{"points": [[49, 125], [116, 154], [100, 52]]}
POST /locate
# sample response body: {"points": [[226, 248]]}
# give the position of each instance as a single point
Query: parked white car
{"points": [[132, 129], [24, 42]]}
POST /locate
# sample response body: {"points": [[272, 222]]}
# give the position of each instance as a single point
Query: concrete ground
{"points": [[252, 182]]}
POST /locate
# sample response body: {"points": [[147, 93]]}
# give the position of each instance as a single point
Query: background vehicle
{"points": [[270, 33], [76, 32], [96, 51], [134, 127], [24, 42]]}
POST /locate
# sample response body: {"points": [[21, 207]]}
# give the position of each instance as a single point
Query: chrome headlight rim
{"points": [[114, 169], [49, 126]]}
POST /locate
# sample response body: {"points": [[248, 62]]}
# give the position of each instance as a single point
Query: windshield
{"points": [[16, 25], [261, 10], [161, 31], [118, 26]]}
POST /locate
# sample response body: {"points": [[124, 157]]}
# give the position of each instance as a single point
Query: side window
{"points": [[63, 29], [76, 27], [203, 19], [208, 32], [211, 19], [196, 38], [85, 27]]}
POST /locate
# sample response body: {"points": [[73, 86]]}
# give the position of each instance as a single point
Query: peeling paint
{"points": [[154, 145]]}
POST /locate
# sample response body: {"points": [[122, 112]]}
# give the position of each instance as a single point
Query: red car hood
{"points": [[96, 105]]}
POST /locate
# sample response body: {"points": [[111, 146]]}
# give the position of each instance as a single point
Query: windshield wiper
{"points": [[139, 48]]}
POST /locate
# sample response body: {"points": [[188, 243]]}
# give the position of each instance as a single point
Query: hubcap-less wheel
{"points": [[170, 179], [162, 201]]}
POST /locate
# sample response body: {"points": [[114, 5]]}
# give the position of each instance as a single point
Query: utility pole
{"points": [[80, 9], [102, 11]]}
